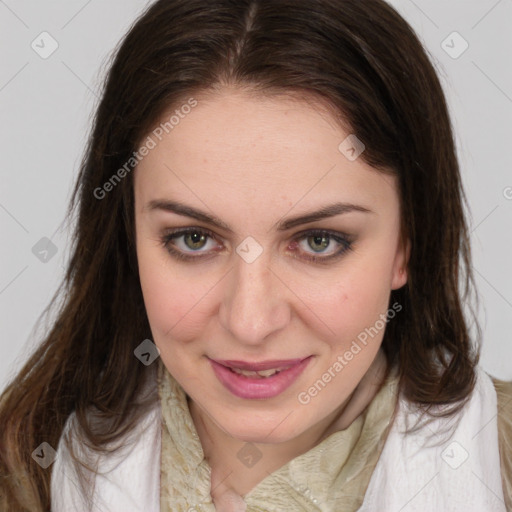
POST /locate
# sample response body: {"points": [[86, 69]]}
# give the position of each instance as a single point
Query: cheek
{"points": [[175, 302], [160, 289], [353, 303]]}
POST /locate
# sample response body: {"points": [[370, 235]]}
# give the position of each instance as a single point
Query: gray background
{"points": [[46, 106]]}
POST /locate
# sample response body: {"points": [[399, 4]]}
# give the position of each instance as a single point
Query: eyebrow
{"points": [[283, 225]]}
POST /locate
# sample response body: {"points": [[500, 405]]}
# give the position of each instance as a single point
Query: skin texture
{"points": [[253, 161]]}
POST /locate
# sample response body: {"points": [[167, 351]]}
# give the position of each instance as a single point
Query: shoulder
{"points": [[125, 477], [504, 397], [445, 463]]}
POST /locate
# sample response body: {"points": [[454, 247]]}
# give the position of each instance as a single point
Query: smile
{"points": [[261, 380], [263, 374]]}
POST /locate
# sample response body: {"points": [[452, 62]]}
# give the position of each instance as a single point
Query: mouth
{"points": [[263, 379], [261, 369]]}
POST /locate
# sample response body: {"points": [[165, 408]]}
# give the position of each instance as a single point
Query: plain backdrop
{"points": [[46, 104]]}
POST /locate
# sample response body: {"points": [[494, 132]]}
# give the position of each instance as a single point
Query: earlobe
{"points": [[399, 279], [400, 273]]}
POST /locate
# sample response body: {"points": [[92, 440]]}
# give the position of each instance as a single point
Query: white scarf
{"points": [[460, 474]]}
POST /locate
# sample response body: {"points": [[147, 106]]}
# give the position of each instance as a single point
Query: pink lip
{"points": [[262, 365], [256, 388]]}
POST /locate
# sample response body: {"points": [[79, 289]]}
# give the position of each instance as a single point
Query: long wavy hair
{"points": [[362, 59]]}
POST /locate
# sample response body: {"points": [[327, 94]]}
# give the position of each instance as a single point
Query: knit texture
{"points": [[332, 476]]}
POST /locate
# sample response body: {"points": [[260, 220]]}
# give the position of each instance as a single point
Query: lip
{"points": [[262, 365], [256, 388]]}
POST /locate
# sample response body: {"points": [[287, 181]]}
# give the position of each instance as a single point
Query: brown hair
{"points": [[361, 58]]}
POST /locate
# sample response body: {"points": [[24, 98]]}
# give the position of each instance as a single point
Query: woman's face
{"points": [[243, 286]]}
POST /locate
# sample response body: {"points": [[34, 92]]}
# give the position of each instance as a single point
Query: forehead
{"points": [[235, 145]]}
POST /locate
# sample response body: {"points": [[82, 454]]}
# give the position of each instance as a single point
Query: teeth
{"points": [[259, 374]]}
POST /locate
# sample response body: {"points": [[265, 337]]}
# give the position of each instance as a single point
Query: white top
{"points": [[460, 473], [456, 471], [129, 481]]}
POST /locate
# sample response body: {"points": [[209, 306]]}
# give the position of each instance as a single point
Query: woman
{"points": [[262, 310]]}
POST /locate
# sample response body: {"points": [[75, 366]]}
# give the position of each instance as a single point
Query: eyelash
{"points": [[340, 238]]}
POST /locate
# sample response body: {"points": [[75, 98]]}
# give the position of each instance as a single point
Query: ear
{"points": [[400, 264]]}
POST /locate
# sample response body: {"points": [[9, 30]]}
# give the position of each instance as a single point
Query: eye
{"points": [[319, 241], [181, 244]]}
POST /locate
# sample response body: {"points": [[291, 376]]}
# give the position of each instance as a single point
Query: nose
{"points": [[255, 301]]}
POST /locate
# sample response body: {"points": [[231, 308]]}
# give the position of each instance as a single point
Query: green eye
{"points": [[321, 242], [182, 243], [197, 240]]}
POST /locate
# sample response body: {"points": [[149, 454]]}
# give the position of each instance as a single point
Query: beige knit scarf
{"points": [[336, 471]]}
